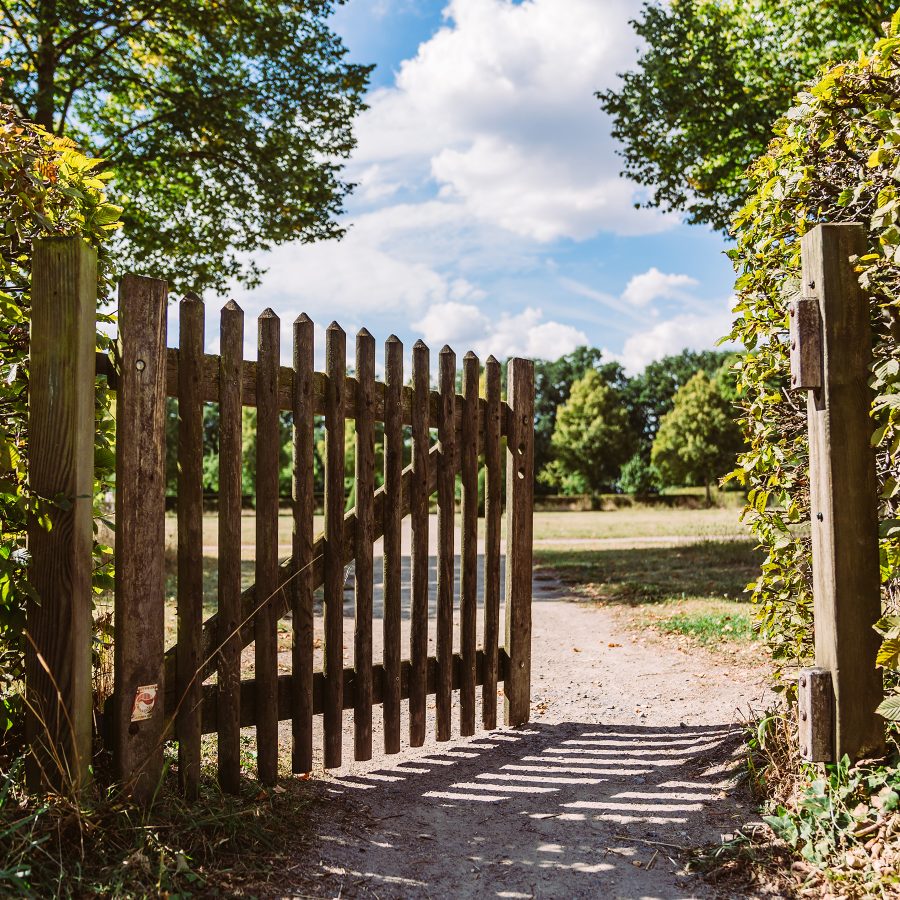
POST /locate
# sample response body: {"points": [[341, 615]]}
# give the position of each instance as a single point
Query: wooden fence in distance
{"points": [[163, 693]]}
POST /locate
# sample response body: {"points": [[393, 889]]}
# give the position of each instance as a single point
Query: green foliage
{"points": [[653, 391], [698, 440], [638, 477], [593, 434], [834, 158], [48, 188], [712, 78], [553, 382], [225, 122]]}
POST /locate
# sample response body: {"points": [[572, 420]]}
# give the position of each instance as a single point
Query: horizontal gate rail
{"points": [[285, 686], [210, 391]]}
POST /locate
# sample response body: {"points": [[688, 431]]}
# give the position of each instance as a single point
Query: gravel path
{"points": [[630, 756]]}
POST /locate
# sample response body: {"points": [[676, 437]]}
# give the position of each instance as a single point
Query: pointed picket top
{"points": [[420, 345], [470, 354], [268, 313], [232, 306], [303, 319], [190, 297], [492, 360], [364, 333], [393, 339], [446, 349], [335, 327]]}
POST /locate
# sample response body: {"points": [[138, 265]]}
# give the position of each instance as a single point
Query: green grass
{"points": [[705, 621], [104, 845]]}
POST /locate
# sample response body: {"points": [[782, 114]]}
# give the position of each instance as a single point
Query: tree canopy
{"points": [[553, 380], [653, 391], [593, 436], [713, 77], [698, 441], [224, 122]]}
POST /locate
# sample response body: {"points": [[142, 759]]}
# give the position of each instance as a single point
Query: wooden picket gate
{"points": [[161, 693]]}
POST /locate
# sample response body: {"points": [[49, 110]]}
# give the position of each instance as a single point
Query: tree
{"points": [[553, 381], [224, 122], [593, 435], [653, 391], [699, 440], [712, 79]]}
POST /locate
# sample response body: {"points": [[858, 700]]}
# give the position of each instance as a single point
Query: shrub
{"points": [[638, 477], [48, 188], [835, 158]]}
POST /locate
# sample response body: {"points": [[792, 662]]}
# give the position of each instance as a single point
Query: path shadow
{"points": [[568, 810]]}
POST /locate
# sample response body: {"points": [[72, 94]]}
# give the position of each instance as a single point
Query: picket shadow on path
{"points": [[566, 810]]}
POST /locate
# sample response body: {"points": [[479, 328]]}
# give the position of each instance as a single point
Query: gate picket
{"points": [[268, 443], [190, 542], [364, 539], [393, 559], [229, 589], [446, 496], [304, 507], [335, 368], [492, 521], [468, 604], [418, 642]]}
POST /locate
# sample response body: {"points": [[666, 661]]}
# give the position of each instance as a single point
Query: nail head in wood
{"points": [[806, 344], [816, 717]]}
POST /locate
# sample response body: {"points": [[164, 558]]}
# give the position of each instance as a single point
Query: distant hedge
{"points": [[835, 158], [47, 188]]}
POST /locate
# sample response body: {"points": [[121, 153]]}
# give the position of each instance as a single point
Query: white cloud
{"points": [[652, 285], [689, 330], [466, 327], [498, 107]]}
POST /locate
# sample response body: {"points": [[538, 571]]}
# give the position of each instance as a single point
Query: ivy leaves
{"points": [[48, 188], [835, 157]]}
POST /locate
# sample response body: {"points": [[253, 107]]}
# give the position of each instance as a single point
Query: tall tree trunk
{"points": [[44, 98]]}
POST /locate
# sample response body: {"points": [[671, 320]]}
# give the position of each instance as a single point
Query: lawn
{"points": [[638, 522]]}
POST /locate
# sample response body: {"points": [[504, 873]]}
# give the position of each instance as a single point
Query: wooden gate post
{"points": [[138, 720], [843, 488], [519, 530], [61, 465]]}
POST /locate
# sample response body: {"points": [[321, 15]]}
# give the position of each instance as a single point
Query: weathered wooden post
{"points": [[831, 347], [138, 720], [519, 531], [61, 469]]}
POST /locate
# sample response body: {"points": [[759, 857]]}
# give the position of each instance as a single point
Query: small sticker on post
{"points": [[144, 702]]}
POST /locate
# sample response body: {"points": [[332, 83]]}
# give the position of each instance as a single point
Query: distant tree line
{"points": [[596, 429], [599, 430]]}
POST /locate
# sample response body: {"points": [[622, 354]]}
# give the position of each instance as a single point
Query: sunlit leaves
{"points": [[48, 188], [833, 158]]}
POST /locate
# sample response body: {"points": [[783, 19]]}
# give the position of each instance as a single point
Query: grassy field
{"points": [[633, 522], [680, 571], [638, 522]]}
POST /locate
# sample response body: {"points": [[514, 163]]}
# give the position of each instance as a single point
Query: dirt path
{"points": [[629, 757]]}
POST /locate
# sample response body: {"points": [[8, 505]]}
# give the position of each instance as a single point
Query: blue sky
{"points": [[490, 214]]}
